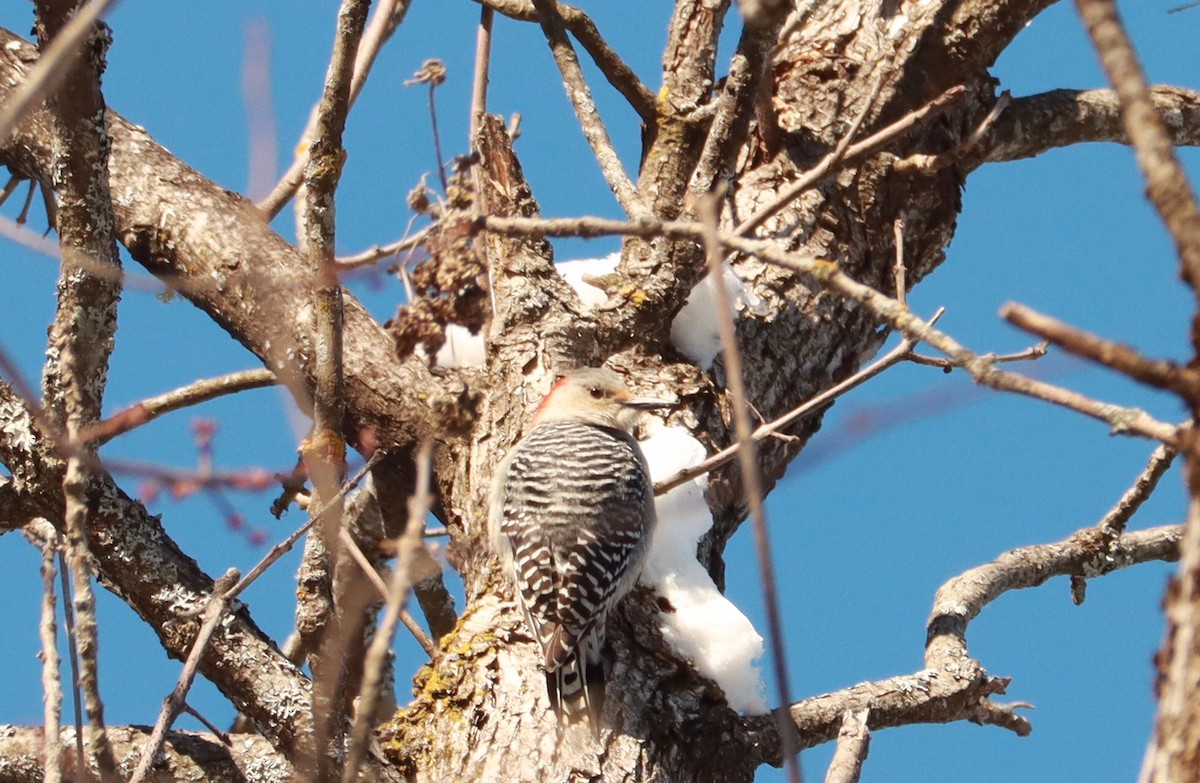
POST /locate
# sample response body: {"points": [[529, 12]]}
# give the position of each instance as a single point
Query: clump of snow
{"points": [[694, 330], [461, 349], [705, 626]]}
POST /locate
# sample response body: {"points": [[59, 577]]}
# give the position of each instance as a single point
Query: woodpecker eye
{"points": [[596, 392]]}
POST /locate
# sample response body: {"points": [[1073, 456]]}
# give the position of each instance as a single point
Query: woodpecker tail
{"points": [[576, 686]]}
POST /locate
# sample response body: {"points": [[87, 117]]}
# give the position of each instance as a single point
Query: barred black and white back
{"points": [[572, 512]]}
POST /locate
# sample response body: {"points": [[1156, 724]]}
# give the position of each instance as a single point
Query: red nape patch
{"points": [[562, 381]]}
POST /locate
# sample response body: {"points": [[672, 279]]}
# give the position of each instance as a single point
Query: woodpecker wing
{"points": [[586, 489]]}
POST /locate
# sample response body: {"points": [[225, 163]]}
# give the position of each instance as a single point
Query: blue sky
{"points": [[865, 529]]}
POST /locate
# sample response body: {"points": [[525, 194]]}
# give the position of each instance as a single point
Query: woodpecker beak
{"points": [[648, 403]]}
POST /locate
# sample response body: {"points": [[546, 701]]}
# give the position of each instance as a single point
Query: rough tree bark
{"points": [[801, 78]]}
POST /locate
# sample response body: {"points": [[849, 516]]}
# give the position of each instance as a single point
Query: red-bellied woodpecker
{"points": [[572, 510]]}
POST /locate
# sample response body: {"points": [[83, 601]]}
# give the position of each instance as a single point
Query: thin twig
{"points": [[847, 155], [52, 694], [364, 564], [324, 453], [581, 99], [1112, 525], [1125, 360], [376, 581], [709, 213], [73, 660], [13, 183], [615, 70], [208, 724], [901, 353], [424, 639], [433, 74], [379, 252], [479, 84], [213, 611], [23, 215], [1120, 514], [828, 275], [1026, 354], [387, 17], [185, 396], [899, 270], [283, 547], [1167, 184], [407, 546], [53, 66]]}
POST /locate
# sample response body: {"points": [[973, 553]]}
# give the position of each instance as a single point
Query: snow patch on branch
{"points": [[705, 626], [694, 330], [573, 272]]}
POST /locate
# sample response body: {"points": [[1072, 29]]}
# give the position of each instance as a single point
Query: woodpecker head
{"points": [[594, 396]]}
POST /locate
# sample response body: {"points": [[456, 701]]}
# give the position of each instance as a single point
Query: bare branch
{"points": [[1120, 514], [81, 337], [1026, 354], [185, 396], [283, 547], [1113, 524], [212, 613], [51, 665], [747, 460], [145, 568], [364, 565], [55, 64], [1123, 421], [953, 686], [378, 253], [734, 107], [585, 109], [1087, 552], [187, 755], [1122, 358], [982, 29], [387, 17], [201, 238], [845, 155], [615, 70], [408, 545], [1036, 123], [325, 449], [64, 570], [853, 742], [479, 83]]}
